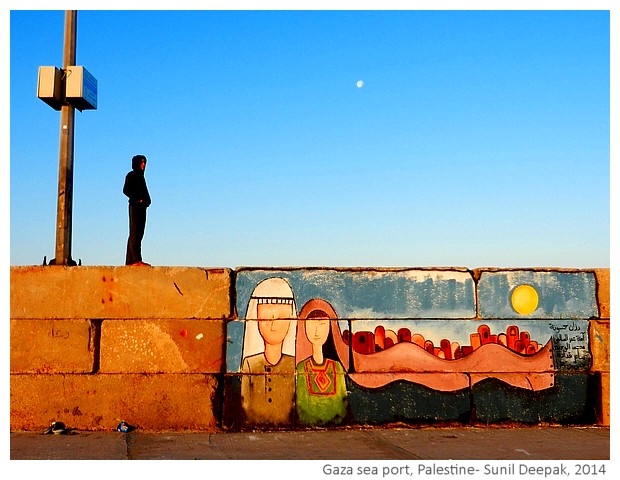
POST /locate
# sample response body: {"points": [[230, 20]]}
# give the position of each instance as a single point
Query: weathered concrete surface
{"points": [[518, 444], [380, 293], [604, 407], [600, 345], [92, 346], [100, 402], [602, 278], [163, 346], [52, 346], [76, 446], [52, 292], [567, 294], [571, 401]]}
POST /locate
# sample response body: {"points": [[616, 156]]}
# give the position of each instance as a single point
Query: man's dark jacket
{"points": [[135, 186]]}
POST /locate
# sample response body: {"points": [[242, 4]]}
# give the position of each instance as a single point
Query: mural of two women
{"points": [[290, 360]]}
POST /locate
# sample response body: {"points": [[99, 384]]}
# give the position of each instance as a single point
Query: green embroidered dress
{"points": [[321, 392]]}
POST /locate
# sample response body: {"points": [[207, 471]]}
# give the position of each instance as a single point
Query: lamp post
{"points": [[64, 216], [65, 90]]}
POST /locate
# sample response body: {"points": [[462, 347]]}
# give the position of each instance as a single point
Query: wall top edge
{"points": [[349, 269], [405, 269], [117, 267], [537, 269], [315, 268]]}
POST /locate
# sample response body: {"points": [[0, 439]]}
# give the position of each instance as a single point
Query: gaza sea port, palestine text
{"points": [[488, 469]]}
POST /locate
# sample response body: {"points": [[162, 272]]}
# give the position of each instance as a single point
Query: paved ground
{"points": [[518, 444]]}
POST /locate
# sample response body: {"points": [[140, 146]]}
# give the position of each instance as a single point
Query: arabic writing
{"points": [[571, 344]]}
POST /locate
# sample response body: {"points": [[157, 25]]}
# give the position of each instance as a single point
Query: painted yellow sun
{"points": [[524, 299]]}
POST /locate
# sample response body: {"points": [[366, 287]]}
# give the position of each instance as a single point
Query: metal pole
{"points": [[65, 164]]}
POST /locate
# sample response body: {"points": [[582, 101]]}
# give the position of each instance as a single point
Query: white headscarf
{"points": [[270, 290]]}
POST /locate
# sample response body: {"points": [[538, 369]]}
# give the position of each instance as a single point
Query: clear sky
{"points": [[477, 138]]}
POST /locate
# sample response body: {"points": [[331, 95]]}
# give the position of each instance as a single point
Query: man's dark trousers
{"points": [[137, 224]]}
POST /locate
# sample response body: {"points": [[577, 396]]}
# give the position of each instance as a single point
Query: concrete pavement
{"points": [[519, 444]]}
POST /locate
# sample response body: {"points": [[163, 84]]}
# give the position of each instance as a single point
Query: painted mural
{"points": [[537, 294], [364, 341], [268, 386], [321, 392]]}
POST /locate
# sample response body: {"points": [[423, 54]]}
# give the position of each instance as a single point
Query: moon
{"points": [[360, 83]]}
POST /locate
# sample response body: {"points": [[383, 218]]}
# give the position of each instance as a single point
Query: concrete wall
{"points": [[183, 348]]}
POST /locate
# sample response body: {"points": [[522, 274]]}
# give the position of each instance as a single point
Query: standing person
{"points": [[139, 200]]}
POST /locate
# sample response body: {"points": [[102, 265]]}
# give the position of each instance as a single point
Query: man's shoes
{"points": [[140, 264], [57, 428]]}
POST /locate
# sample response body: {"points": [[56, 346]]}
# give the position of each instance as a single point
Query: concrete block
{"points": [[604, 405], [233, 414], [245, 339], [537, 294], [100, 402], [362, 293], [602, 280], [468, 346], [162, 346], [600, 345], [321, 397], [399, 401], [235, 330], [570, 401], [52, 346], [259, 401], [119, 292]]}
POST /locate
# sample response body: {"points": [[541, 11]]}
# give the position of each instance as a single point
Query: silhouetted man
{"points": [[139, 200]]}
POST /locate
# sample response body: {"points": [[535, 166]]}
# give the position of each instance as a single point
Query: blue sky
{"points": [[478, 139]]}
